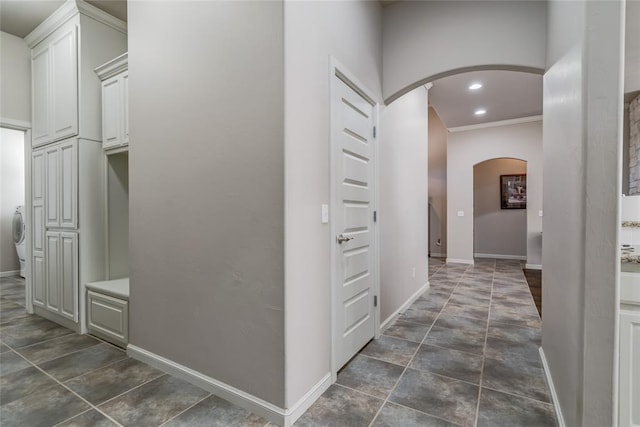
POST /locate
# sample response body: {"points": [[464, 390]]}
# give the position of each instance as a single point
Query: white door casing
{"points": [[353, 196]]}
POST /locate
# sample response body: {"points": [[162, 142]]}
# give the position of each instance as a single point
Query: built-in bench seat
{"points": [[108, 310]]}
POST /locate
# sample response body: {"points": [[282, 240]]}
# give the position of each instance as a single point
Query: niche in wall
{"points": [[497, 232], [117, 181]]}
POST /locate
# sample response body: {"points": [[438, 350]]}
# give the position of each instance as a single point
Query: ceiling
{"points": [[504, 95], [20, 17]]}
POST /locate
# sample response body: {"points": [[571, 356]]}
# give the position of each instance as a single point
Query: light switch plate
{"points": [[325, 214], [460, 213]]}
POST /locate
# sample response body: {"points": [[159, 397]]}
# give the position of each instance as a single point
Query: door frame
{"points": [[26, 128], [337, 70]]}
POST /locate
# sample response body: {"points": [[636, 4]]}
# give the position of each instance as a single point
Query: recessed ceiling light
{"points": [[475, 86], [480, 112]]}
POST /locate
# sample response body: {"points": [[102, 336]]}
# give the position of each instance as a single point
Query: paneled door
{"points": [[354, 263]]}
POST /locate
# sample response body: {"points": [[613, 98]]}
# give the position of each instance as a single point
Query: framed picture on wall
{"points": [[513, 191]]}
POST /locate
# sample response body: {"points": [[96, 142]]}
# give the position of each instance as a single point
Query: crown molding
{"points": [[67, 11], [113, 67], [496, 124]]}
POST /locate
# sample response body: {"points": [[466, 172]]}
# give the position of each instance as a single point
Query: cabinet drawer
{"points": [[108, 317]]}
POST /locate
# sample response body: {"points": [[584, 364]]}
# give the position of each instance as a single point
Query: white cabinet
{"points": [[629, 366], [62, 273], [55, 85], [61, 165], [115, 98]]}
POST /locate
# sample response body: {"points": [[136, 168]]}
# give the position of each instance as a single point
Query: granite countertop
{"points": [[630, 254], [631, 224]]}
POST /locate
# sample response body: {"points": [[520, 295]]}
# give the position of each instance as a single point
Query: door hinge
{"points": [[375, 300], [375, 216]]}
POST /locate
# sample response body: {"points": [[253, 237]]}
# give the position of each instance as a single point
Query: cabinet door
{"points": [[52, 265], [37, 198], [69, 275], [39, 279], [52, 186], [111, 114], [64, 82], [40, 99], [125, 108], [629, 368], [68, 179]]}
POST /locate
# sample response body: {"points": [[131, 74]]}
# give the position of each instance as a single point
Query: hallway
{"points": [[465, 353]]}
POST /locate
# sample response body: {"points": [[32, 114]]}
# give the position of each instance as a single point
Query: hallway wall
{"points": [[437, 185], [12, 192], [425, 40], [352, 33], [468, 148], [403, 200], [206, 165], [15, 84], [583, 123]]}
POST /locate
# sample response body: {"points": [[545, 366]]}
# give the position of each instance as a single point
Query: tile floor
{"points": [[465, 354]]}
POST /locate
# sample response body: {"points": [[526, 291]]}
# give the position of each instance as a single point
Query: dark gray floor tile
{"points": [[154, 402], [10, 311], [450, 363], [11, 362], [515, 377], [407, 330], [90, 418], [469, 300], [500, 349], [513, 317], [428, 303], [504, 410], [481, 313], [108, 382], [81, 362], [30, 330], [216, 412], [393, 415], [469, 341], [339, 406], [57, 347], [42, 408], [515, 333], [3, 348], [443, 397], [17, 298], [19, 384], [391, 349], [452, 321], [417, 315], [371, 376]]}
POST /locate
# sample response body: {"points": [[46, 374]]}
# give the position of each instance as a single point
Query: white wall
{"points": [[426, 40], [464, 150], [206, 187], [437, 185], [403, 200], [351, 32], [582, 151], [12, 186], [497, 231], [15, 83], [632, 47]]}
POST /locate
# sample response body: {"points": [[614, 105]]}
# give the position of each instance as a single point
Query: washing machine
{"points": [[19, 237]]}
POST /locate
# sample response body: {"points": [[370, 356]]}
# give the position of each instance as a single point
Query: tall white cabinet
{"points": [[67, 169], [629, 393]]}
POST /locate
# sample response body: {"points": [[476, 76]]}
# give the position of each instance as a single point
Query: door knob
{"points": [[341, 238]]}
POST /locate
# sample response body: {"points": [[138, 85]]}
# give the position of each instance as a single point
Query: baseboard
{"points": [[533, 266], [459, 261], [552, 389], [9, 273], [404, 306], [438, 255], [498, 256], [236, 396]]}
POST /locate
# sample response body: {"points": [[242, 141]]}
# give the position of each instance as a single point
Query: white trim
{"points": [[113, 67], [301, 406], [496, 124], [438, 255], [404, 306], [498, 256], [68, 10], [533, 266], [8, 123], [459, 261], [552, 389], [9, 273]]}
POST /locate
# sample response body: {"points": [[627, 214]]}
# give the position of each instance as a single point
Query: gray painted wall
{"points": [[207, 188], [582, 122], [403, 200], [497, 231], [425, 40], [351, 32], [15, 84], [437, 185]]}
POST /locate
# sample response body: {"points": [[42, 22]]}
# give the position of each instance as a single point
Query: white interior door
{"points": [[353, 118]]}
